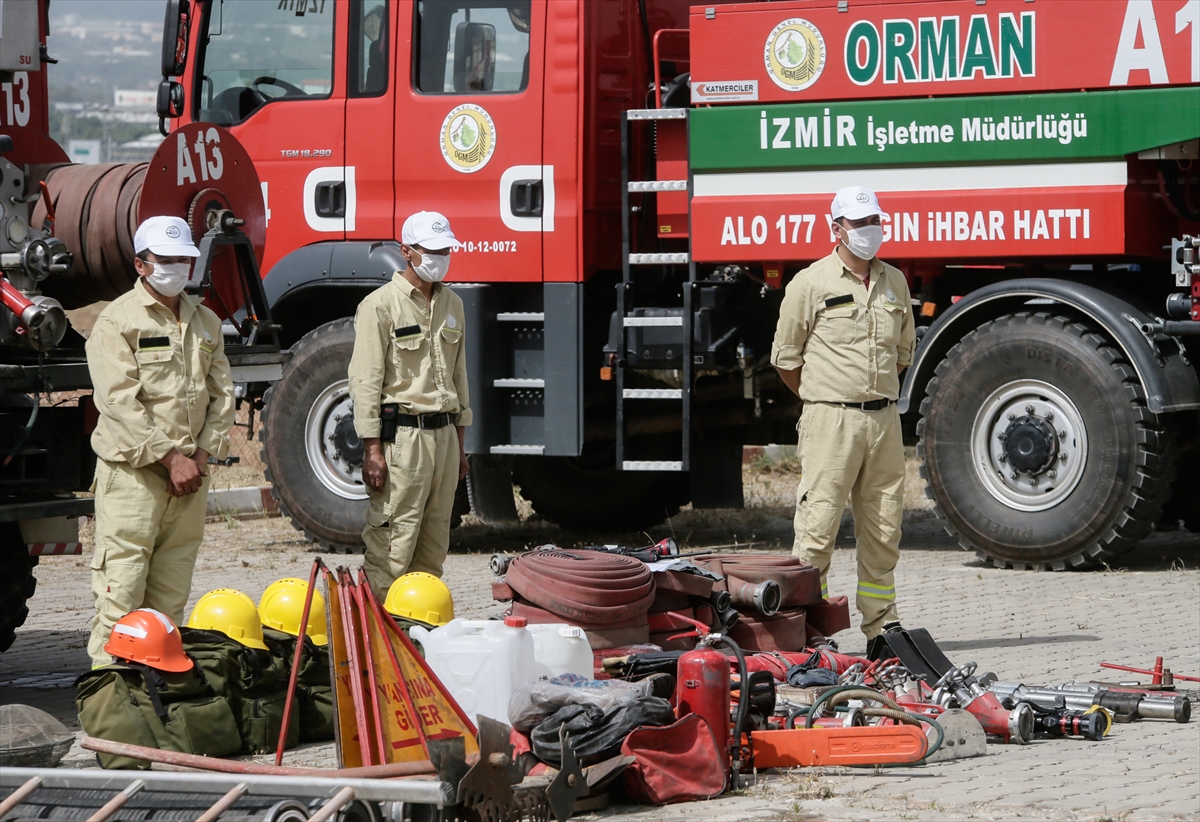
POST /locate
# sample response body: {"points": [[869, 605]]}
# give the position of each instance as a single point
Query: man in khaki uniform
{"points": [[845, 333], [165, 395], [408, 382]]}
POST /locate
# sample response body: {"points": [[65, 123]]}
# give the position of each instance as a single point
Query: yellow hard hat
{"points": [[282, 605], [232, 613], [421, 597]]}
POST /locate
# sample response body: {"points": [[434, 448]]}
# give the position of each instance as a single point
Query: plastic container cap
{"points": [[516, 621]]}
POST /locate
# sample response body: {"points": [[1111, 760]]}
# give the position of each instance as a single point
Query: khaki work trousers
{"points": [[408, 522], [146, 546], [848, 452]]}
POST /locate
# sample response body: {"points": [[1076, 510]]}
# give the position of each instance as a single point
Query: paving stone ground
{"points": [[1040, 628]]}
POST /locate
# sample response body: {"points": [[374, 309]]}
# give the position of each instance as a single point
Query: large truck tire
{"points": [[1038, 448], [17, 582], [588, 492], [311, 454]]}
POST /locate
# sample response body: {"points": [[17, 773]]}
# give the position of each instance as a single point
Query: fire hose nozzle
{"points": [[765, 597], [1020, 724], [499, 564], [33, 316]]}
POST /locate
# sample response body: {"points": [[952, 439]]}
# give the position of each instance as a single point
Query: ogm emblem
{"points": [[468, 138], [794, 54]]}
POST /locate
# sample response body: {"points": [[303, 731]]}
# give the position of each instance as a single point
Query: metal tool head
{"points": [[963, 737], [486, 789], [570, 784]]}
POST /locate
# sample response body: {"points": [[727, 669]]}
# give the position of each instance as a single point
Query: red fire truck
{"points": [[634, 182]]}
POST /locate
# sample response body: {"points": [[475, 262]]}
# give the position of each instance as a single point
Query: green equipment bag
{"points": [[254, 683], [157, 709], [314, 693]]}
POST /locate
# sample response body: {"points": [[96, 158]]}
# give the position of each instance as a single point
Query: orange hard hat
{"points": [[151, 638]]}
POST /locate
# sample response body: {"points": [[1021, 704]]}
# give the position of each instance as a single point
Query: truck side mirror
{"points": [[175, 38], [170, 99], [474, 57]]}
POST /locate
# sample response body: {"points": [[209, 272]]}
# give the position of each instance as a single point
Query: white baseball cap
{"points": [[854, 203], [165, 237], [430, 230]]}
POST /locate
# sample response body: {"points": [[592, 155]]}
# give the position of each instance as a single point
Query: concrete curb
{"points": [[255, 501]]}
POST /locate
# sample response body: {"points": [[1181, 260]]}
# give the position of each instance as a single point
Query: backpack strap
{"points": [[154, 682]]}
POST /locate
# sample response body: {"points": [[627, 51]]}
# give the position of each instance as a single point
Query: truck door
{"points": [[469, 132], [370, 119], [266, 71]]}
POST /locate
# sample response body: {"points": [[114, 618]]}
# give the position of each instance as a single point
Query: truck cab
{"points": [[505, 115]]}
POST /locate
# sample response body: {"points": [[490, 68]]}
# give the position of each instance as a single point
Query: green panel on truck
{"points": [[1081, 125]]}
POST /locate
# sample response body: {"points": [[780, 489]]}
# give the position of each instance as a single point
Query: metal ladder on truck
{"points": [[632, 316]]}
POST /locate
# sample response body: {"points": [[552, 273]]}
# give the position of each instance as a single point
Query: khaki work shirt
{"points": [[848, 340], [409, 352], [159, 383]]}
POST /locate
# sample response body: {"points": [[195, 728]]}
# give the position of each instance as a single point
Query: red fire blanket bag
{"points": [[675, 763]]}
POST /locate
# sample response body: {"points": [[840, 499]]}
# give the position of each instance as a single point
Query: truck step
{"points": [[652, 465], [676, 258], [521, 317], [532, 450], [653, 393], [657, 114], [516, 382], [653, 321], [658, 185]]}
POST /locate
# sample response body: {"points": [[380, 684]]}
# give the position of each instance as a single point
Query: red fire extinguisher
{"points": [[702, 688]]}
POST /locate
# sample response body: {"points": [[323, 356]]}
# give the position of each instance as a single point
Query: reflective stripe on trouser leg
{"points": [[408, 523], [146, 543], [829, 448], [877, 499]]}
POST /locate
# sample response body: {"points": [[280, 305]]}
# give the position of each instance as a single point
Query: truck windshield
{"points": [[256, 52]]}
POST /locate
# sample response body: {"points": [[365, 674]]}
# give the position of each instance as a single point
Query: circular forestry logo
{"points": [[794, 54], [468, 138]]}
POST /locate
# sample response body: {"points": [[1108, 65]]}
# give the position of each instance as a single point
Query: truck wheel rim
{"points": [[331, 449], [1030, 429]]}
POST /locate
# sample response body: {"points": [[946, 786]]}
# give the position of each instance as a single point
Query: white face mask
{"points": [[864, 242], [433, 268], [169, 279]]}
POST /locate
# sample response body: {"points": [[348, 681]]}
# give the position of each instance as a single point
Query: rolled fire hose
{"points": [[96, 209], [586, 587], [799, 583], [783, 631]]}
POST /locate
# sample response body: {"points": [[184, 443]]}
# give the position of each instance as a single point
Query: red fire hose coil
{"points": [[587, 587]]}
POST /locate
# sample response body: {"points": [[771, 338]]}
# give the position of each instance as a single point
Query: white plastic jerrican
{"points": [[480, 661], [561, 649]]}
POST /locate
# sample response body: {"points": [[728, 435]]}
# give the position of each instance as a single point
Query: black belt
{"points": [[873, 405], [425, 421]]}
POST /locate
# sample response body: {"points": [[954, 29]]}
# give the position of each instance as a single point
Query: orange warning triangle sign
{"points": [[347, 710], [414, 704], [389, 710]]}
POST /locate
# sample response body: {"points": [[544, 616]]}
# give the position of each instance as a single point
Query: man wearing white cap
{"points": [[845, 333], [165, 395], [408, 382]]}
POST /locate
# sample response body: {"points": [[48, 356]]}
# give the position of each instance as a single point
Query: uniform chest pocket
{"points": [[406, 350], [838, 325], [158, 373], [450, 338], [890, 317]]}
